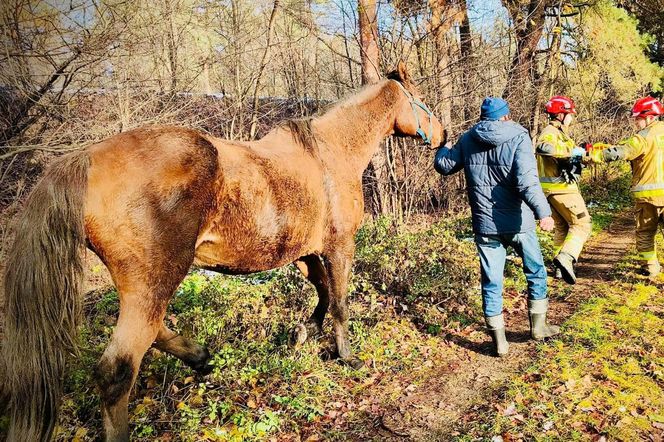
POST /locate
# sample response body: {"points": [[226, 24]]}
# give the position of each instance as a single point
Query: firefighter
{"points": [[645, 151], [559, 166]]}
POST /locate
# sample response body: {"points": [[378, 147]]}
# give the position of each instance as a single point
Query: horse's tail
{"points": [[43, 278]]}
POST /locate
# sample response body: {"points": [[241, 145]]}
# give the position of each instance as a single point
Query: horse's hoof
{"points": [[298, 335], [353, 362], [202, 366], [204, 370], [313, 330]]}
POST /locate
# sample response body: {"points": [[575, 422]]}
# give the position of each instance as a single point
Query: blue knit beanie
{"points": [[494, 108]]}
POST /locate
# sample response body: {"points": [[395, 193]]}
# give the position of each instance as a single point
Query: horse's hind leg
{"points": [[194, 355], [312, 268], [118, 367], [142, 309]]}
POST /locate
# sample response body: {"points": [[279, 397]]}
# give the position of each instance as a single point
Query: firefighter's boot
{"points": [[565, 263]]}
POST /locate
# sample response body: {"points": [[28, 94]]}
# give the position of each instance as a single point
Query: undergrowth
{"points": [[407, 289]]}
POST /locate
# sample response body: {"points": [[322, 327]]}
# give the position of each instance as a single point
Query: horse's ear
{"points": [[400, 74], [403, 72]]}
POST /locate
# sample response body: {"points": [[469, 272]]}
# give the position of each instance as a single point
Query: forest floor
{"points": [[461, 399], [428, 374]]}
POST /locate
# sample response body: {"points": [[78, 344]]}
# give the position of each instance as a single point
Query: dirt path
{"points": [[435, 411]]}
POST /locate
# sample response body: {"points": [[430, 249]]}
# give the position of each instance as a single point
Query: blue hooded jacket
{"points": [[501, 173]]}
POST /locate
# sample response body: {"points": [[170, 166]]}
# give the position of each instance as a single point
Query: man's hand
{"points": [[546, 224]]}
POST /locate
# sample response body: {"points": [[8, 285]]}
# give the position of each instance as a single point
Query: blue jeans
{"points": [[492, 250]]}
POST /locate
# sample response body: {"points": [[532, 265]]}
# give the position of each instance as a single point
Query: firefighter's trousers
{"points": [[572, 223], [648, 218]]}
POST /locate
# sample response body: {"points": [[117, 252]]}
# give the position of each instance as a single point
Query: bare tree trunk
{"points": [[346, 48], [549, 75], [172, 46], [261, 69], [419, 50], [368, 24], [528, 28], [376, 176], [205, 77], [466, 48], [441, 22]]}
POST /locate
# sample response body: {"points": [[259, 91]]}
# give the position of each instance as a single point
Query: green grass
{"points": [[603, 377], [606, 192]]}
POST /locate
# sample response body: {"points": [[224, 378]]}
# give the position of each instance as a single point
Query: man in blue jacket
{"points": [[497, 158]]}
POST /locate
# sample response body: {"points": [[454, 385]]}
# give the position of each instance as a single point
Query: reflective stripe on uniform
{"points": [[556, 185], [552, 179], [648, 190]]}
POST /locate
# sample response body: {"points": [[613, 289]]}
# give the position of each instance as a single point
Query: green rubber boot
{"points": [[539, 329], [496, 326]]}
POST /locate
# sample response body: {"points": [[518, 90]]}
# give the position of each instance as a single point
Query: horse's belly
{"points": [[242, 253], [245, 237]]}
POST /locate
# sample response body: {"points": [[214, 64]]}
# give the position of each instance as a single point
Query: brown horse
{"points": [[151, 202]]}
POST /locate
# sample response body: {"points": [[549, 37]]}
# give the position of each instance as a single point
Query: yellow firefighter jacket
{"points": [[645, 150], [553, 149]]}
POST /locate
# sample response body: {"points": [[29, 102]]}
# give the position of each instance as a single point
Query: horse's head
{"points": [[414, 118]]}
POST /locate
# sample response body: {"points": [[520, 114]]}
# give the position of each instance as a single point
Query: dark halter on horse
{"points": [[415, 103]]}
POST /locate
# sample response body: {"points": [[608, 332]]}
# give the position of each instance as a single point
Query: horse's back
{"points": [[240, 207]]}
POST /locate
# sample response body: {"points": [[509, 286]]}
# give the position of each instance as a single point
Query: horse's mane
{"points": [[302, 132], [301, 128]]}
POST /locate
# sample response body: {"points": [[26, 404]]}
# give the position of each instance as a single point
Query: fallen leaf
{"points": [[80, 434], [510, 410], [152, 382]]}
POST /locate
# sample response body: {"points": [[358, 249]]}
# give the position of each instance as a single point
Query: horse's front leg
{"points": [[338, 263]]}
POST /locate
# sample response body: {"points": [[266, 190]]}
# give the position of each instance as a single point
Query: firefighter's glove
{"points": [[571, 171]]}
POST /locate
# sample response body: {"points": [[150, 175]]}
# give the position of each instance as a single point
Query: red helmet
{"points": [[560, 104], [647, 106]]}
